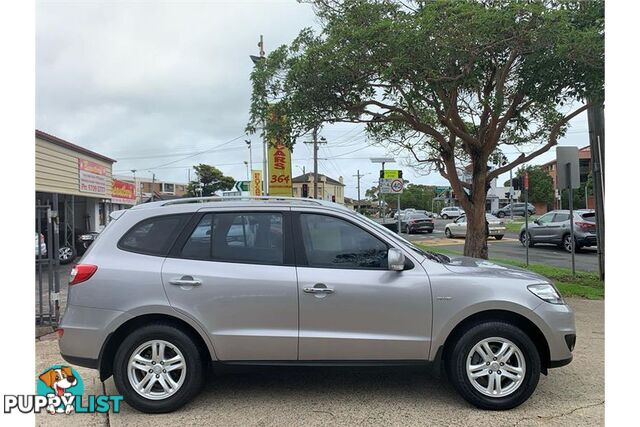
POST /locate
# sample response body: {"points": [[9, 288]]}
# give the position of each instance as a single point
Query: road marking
{"points": [[454, 242]]}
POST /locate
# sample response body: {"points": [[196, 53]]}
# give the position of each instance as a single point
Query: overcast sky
{"points": [[151, 84]]}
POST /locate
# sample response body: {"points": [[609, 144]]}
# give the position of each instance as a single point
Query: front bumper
{"points": [[560, 332]]}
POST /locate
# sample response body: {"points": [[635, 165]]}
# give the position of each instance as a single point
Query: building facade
{"points": [[328, 188], [75, 185]]}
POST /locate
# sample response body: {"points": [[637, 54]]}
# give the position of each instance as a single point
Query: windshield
{"points": [[431, 255]]}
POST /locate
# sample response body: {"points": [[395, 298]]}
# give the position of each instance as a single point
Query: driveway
{"points": [[573, 395]]}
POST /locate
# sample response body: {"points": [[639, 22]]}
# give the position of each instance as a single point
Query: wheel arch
{"points": [[110, 346], [516, 319]]}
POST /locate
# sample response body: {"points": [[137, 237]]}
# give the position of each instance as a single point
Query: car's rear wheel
{"points": [[447, 233], [66, 254], [494, 365], [158, 368], [499, 237]]}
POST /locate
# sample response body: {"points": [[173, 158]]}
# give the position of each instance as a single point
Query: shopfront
{"points": [[75, 184]]}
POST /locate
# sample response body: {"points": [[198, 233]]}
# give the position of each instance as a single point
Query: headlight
{"points": [[546, 292]]}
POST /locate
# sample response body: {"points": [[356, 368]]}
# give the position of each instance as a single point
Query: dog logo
{"points": [[61, 385]]}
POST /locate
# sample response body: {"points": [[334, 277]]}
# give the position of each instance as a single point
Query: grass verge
{"points": [[584, 285]]}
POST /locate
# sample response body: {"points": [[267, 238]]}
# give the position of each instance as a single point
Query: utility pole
{"points": [[265, 148], [358, 176], [153, 184], [248, 141], [595, 119], [315, 143]]}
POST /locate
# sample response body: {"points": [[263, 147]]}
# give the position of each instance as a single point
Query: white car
{"points": [[459, 227], [451, 212]]}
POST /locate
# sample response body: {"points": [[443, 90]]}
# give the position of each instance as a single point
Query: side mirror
{"points": [[396, 259], [535, 221]]}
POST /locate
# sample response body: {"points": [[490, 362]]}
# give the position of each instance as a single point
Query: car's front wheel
{"points": [[158, 368], [494, 365], [445, 216], [501, 214], [448, 233]]}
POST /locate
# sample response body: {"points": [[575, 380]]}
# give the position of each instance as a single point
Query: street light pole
{"points": [[248, 141], [382, 160]]}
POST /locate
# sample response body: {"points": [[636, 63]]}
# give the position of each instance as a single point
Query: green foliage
{"points": [[448, 81], [212, 180], [540, 184]]}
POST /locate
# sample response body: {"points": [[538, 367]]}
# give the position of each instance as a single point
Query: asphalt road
{"points": [[569, 396], [511, 248]]}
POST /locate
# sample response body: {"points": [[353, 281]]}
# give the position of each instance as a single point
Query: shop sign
{"points": [[123, 192], [93, 177]]}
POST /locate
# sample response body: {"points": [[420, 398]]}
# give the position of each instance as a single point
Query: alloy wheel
{"points": [[496, 367], [65, 253], [566, 242], [156, 369]]}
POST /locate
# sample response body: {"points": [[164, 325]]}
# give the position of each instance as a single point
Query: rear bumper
{"points": [[587, 240], [85, 331]]}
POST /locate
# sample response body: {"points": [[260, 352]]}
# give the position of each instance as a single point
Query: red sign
{"points": [[123, 192], [526, 181]]}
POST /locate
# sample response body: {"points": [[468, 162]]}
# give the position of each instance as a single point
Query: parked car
{"points": [[459, 227], [85, 240], [41, 246], [162, 296], [518, 210], [554, 227], [451, 212], [414, 222]]}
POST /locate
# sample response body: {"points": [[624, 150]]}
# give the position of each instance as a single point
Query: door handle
{"points": [[318, 288], [186, 281]]}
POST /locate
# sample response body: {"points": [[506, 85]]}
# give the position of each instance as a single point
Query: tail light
{"points": [[82, 273], [60, 332], [585, 225]]}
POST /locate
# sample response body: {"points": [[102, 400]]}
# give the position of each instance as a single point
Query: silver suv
{"points": [[554, 227], [171, 288]]}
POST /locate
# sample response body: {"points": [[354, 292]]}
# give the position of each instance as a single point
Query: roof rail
{"points": [[238, 198]]}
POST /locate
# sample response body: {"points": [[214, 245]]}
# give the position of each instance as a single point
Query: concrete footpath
{"points": [[571, 396]]}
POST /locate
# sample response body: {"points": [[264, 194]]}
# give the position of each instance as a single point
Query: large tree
{"points": [[210, 179], [452, 82]]}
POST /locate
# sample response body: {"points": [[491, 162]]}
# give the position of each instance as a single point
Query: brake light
{"points": [[82, 273], [585, 225], [60, 332]]}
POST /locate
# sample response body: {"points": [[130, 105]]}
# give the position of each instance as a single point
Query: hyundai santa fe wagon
{"points": [[171, 288]]}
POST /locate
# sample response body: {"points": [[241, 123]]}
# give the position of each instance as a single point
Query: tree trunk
{"points": [[475, 244]]}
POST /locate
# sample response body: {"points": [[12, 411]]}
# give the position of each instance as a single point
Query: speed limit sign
{"points": [[397, 185]]}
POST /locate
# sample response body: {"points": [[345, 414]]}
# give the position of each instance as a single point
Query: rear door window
{"points": [[561, 217], [255, 238], [154, 236]]}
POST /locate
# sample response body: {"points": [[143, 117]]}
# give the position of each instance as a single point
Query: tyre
{"points": [[499, 237], [494, 365], [501, 214], [445, 216], [430, 231], [566, 243], [447, 233], [66, 254], [409, 230], [158, 368], [523, 240]]}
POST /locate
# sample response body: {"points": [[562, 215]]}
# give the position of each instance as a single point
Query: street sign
{"points": [[241, 186], [391, 173], [391, 185], [564, 156]]}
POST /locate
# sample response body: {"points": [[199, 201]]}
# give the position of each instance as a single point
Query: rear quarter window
{"points": [[155, 235]]}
